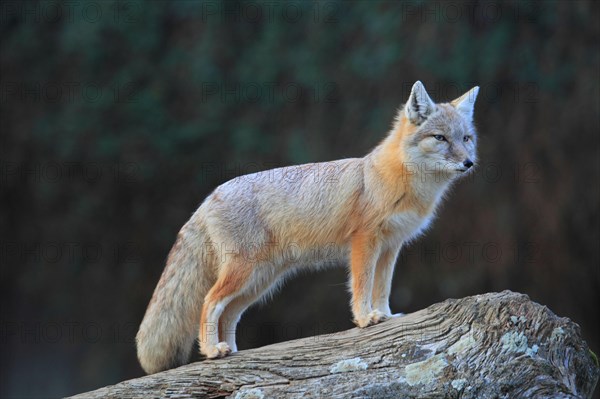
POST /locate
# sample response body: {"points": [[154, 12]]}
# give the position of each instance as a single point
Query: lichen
{"points": [[346, 365], [464, 343], [532, 351], [253, 393], [514, 341], [425, 371], [458, 384], [557, 334]]}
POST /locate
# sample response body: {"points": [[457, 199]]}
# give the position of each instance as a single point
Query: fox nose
{"points": [[468, 163]]}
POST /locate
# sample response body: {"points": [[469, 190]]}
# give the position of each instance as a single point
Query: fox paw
{"points": [[377, 316], [219, 350], [374, 317]]}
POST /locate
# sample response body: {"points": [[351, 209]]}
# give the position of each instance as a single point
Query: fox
{"points": [[255, 230]]}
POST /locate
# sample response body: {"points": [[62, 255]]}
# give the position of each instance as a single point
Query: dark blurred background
{"points": [[119, 117]]}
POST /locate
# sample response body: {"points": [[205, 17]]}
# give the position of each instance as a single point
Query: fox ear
{"points": [[465, 103], [419, 105]]}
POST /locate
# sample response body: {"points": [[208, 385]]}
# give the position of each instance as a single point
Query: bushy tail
{"points": [[171, 324]]}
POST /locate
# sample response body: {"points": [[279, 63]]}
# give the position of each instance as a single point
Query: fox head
{"points": [[439, 138]]}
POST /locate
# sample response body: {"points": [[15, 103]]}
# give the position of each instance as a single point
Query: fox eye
{"points": [[466, 138], [439, 137]]}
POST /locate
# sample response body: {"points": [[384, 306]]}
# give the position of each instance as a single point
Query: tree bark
{"points": [[496, 345]]}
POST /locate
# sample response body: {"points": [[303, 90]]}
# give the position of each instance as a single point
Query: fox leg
{"points": [[230, 318], [383, 280], [233, 312], [364, 252], [231, 283]]}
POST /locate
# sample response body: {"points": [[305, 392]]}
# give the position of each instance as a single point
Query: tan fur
{"points": [[254, 230]]}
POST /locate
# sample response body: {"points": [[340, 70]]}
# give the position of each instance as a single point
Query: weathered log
{"points": [[496, 345]]}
